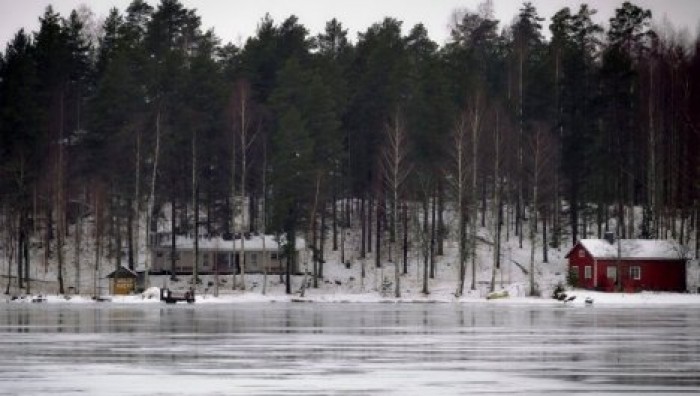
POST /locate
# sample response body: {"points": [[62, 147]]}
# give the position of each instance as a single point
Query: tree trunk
{"points": [[544, 236], [426, 242], [60, 204], [137, 197], [20, 250], [234, 268], [322, 241], [475, 126], [173, 247], [533, 221], [118, 234], [151, 200], [195, 211], [78, 239], [130, 234], [369, 224], [10, 249], [697, 229], [314, 250], [405, 238], [432, 235], [378, 239], [520, 203], [496, 212], [98, 246], [243, 226], [264, 216], [483, 201], [291, 236], [251, 211], [441, 221], [363, 226], [312, 231], [264, 259], [335, 218], [459, 144]]}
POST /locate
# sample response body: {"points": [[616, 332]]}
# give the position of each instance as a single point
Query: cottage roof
{"points": [[633, 249], [254, 243]]}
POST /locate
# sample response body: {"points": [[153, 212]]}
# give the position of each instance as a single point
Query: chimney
{"points": [[610, 237]]}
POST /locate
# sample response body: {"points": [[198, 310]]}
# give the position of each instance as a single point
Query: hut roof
{"points": [[121, 273]]}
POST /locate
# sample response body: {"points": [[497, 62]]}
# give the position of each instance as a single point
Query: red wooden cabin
{"points": [[642, 264]]}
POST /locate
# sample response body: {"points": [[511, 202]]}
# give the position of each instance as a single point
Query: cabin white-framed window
{"points": [[611, 272], [588, 272], [636, 272], [205, 260], [581, 253]]}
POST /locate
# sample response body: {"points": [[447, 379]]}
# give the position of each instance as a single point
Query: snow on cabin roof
{"points": [[122, 272], [650, 249], [254, 243]]}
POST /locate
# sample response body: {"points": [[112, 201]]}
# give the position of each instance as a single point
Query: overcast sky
{"points": [[235, 20]]}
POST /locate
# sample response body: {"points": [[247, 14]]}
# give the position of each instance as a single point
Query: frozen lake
{"points": [[347, 349]]}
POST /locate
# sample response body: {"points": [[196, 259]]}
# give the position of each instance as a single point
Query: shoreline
{"points": [[641, 299]]}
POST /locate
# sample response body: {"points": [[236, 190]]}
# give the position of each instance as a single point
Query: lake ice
{"points": [[347, 349]]}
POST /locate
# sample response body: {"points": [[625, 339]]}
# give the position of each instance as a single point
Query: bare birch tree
{"points": [[474, 119], [9, 238], [242, 108], [264, 217], [540, 151], [233, 198], [459, 181], [312, 230], [195, 210], [151, 198], [137, 196], [396, 171], [97, 269], [59, 202], [496, 211], [425, 186]]}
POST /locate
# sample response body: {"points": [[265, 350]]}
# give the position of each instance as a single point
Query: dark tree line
{"points": [[295, 134]]}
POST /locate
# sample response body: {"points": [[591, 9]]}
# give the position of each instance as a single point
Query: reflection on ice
{"points": [[357, 349]]}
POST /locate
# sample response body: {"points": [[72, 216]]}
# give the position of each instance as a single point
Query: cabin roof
{"points": [[122, 272], [254, 243], [632, 249]]}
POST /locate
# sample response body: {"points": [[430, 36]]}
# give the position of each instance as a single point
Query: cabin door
{"points": [[611, 273]]}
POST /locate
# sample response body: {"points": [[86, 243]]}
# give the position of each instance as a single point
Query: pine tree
{"points": [[627, 42], [574, 46], [290, 178], [21, 140]]}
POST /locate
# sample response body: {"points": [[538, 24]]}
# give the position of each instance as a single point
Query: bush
{"points": [[559, 289], [572, 278]]}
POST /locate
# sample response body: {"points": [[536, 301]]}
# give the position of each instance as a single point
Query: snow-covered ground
{"points": [[341, 284], [333, 293]]}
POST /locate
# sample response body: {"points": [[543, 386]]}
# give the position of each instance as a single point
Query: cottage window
{"points": [[222, 260], [273, 256], [612, 272], [635, 272], [588, 272], [581, 253], [253, 259]]}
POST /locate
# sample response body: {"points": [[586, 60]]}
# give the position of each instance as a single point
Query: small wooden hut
{"points": [[122, 281]]}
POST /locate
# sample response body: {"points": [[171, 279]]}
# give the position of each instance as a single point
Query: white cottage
{"points": [[262, 252]]}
